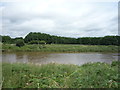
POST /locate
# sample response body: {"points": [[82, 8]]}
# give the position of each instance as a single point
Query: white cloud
{"points": [[70, 18]]}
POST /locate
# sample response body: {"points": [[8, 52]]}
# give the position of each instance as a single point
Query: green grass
{"points": [[90, 75], [62, 48]]}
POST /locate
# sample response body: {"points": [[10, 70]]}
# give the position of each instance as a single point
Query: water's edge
{"points": [[62, 58]]}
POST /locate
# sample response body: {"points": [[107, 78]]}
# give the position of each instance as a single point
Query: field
{"points": [[61, 48], [90, 75]]}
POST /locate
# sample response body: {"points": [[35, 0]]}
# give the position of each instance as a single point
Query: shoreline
{"points": [[61, 48]]}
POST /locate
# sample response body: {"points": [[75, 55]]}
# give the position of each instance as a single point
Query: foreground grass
{"points": [[61, 48], [96, 75]]}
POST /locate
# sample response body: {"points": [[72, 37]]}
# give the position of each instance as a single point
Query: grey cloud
{"points": [[71, 20]]}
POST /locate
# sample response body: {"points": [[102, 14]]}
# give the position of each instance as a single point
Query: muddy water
{"points": [[63, 58]]}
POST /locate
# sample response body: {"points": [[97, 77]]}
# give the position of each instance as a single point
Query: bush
{"points": [[33, 42], [115, 63], [20, 43], [90, 75], [37, 42], [42, 42], [5, 39]]}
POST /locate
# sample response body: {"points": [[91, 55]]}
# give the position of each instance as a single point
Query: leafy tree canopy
{"points": [[20, 43]]}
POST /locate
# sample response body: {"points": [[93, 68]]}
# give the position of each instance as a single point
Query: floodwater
{"points": [[62, 58]]}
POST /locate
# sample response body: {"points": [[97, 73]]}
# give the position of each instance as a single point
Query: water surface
{"points": [[62, 58]]}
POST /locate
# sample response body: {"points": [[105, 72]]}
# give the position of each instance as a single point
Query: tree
{"points": [[37, 36], [109, 40], [6, 39], [118, 40], [95, 40], [85, 41], [20, 43]]}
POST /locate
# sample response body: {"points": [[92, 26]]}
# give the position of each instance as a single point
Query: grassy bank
{"points": [[96, 75], [61, 48]]}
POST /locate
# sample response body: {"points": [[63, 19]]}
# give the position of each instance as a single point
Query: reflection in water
{"points": [[63, 58]]}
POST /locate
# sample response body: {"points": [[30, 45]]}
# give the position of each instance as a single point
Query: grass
{"points": [[90, 75], [62, 48]]}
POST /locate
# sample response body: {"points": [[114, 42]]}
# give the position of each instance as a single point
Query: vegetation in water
{"points": [[90, 75], [61, 48]]}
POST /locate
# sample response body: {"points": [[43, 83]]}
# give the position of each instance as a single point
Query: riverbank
{"points": [[61, 48], [91, 75]]}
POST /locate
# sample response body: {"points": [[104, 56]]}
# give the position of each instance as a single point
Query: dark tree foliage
{"points": [[17, 38], [36, 37], [95, 40], [107, 40], [20, 43], [6, 39], [85, 41], [49, 39], [118, 40]]}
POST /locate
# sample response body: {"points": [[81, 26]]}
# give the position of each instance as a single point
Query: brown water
{"points": [[63, 58]]}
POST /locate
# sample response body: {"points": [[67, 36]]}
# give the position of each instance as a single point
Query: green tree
{"points": [[6, 39], [95, 40], [85, 41], [37, 36], [20, 43], [109, 40]]}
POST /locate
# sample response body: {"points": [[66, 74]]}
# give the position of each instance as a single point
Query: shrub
{"points": [[33, 42], [115, 63], [37, 42], [90, 75], [20, 43], [42, 42]]}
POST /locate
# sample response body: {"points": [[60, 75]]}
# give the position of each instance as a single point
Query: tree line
{"points": [[40, 38]]}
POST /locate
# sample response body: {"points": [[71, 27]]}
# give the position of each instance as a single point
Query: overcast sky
{"points": [[69, 18]]}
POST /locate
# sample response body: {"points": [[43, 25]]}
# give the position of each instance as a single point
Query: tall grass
{"points": [[62, 48], [90, 75]]}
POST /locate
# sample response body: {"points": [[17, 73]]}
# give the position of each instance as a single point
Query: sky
{"points": [[68, 18]]}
